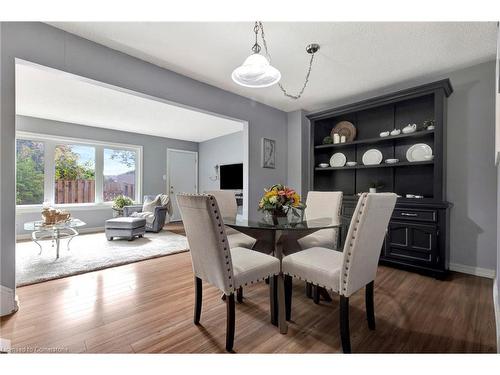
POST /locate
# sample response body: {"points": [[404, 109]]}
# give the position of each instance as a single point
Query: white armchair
{"points": [[354, 268]]}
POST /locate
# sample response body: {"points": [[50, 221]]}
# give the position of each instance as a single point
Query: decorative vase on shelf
{"points": [[373, 190]]}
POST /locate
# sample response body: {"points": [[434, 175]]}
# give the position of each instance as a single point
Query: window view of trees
{"points": [[29, 172], [74, 171], [74, 174], [119, 173]]}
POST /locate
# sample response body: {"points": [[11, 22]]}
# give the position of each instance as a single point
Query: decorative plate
{"points": [[338, 160], [418, 152], [345, 128], [372, 157]]}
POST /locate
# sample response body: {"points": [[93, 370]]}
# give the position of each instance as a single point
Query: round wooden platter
{"points": [[345, 128]]}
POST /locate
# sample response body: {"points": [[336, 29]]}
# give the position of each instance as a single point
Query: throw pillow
{"points": [[150, 204]]}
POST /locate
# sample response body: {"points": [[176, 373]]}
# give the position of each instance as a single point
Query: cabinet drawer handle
{"points": [[408, 214]]}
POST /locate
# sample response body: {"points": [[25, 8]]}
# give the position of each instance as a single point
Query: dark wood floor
{"points": [[147, 307]]}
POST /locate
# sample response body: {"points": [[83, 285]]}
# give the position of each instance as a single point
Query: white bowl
{"points": [[351, 163], [391, 161], [396, 132], [385, 134], [324, 165], [428, 157]]}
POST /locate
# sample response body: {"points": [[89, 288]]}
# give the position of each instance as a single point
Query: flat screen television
{"points": [[231, 177]]}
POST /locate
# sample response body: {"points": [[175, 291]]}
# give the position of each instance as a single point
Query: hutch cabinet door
{"points": [[411, 242]]}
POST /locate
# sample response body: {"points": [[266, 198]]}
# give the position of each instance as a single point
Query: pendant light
{"points": [[257, 71]]}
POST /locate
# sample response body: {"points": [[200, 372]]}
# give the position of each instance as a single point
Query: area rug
{"points": [[90, 252]]}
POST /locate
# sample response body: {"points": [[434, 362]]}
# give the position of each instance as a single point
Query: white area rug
{"points": [[90, 252]]}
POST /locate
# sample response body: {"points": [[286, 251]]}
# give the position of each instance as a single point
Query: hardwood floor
{"points": [[147, 307]]}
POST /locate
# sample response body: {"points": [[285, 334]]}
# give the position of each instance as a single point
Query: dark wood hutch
{"points": [[417, 237]]}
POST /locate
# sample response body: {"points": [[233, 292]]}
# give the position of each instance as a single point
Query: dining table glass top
{"points": [[283, 223]]}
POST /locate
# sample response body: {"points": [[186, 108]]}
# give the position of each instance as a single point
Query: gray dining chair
{"points": [[356, 267], [214, 261]]}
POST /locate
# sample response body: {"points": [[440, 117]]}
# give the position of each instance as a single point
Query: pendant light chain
{"points": [[306, 81]]}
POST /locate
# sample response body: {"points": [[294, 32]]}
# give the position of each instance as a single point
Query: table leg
{"points": [[56, 237], [35, 240], [280, 289], [273, 298]]}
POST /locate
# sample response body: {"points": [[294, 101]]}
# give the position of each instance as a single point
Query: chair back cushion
{"points": [[226, 201], [210, 252], [364, 240], [321, 204]]}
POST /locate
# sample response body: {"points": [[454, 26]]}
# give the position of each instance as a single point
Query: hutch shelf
{"points": [[417, 236]]}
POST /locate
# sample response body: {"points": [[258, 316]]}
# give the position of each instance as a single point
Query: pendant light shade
{"points": [[256, 72]]}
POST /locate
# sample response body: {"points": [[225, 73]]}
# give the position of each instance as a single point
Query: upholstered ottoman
{"points": [[129, 227]]}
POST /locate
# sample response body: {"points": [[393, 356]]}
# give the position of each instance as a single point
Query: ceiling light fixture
{"points": [[257, 71]]}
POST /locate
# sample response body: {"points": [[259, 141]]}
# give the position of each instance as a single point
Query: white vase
{"points": [[373, 190]]}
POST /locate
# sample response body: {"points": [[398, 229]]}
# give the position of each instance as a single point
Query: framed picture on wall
{"points": [[268, 153]]}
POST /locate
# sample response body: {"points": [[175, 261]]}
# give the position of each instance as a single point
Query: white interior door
{"points": [[182, 169]]}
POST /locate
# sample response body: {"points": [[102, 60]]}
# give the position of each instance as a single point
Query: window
{"points": [[74, 174], [57, 170], [119, 173], [30, 168]]}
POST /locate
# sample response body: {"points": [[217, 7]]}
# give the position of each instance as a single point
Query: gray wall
{"points": [[46, 45], [154, 159], [471, 179], [227, 149], [298, 152]]}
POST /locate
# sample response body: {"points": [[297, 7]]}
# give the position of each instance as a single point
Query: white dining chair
{"points": [[229, 209], [322, 204], [356, 267], [214, 261]]}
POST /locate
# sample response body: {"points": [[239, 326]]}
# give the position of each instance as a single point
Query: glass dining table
{"points": [[271, 238]]}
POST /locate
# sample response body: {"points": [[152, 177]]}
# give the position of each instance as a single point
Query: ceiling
{"points": [[56, 95], [355, 57]]}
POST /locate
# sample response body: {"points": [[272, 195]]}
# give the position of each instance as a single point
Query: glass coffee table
{"points": [[55, 232]]}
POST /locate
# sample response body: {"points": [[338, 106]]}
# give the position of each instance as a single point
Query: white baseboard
{"points": [[496, 306], [27, 236], [477, 271], [8, 301]]}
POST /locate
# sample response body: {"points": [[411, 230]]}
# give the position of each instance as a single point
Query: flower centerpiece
{"points": [[279, 200]]}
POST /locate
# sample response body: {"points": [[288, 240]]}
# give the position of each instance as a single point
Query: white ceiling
{"points": [[355, 57], [55, 95]]}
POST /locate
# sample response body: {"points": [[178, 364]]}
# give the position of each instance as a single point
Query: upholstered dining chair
{"points": [[356, 267], [214, 261], [229, 208], [321, 204]]}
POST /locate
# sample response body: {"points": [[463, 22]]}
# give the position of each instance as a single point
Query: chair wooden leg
{"points": [[309, 290], [230, 322], [288, 296], [239, 294], [273, 299], [344, 324], [315, 292], [198, 292], [370, 309]]}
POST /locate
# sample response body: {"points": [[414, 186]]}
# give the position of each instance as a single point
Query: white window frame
{"points": [[50, 143]]}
